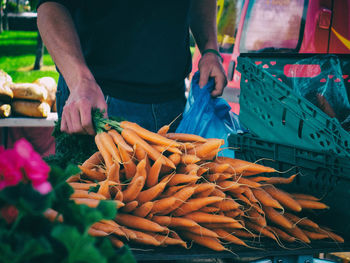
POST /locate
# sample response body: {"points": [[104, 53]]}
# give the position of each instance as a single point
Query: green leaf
{"points": [[124, 255], [81, 248], [94, 189], [25, 198], [83, 216]]}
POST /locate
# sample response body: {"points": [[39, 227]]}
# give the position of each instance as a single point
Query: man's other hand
{"points": [[76, 115], [210, 66]]}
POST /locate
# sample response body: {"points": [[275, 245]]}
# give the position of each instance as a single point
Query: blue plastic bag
{"points": [[209, 117]]}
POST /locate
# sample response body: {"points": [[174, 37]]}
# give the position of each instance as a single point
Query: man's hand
{"points": [[76, 115], [210, 66]]}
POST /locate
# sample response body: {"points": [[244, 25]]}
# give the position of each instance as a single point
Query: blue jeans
{"points": [[150, 116]]}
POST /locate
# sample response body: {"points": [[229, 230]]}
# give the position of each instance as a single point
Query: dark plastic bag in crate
{"points": [[208, 117], [324, 85]]}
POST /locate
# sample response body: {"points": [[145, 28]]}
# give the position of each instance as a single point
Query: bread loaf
{"points": [[31, 108], [5, 110], [29, 91], [50, 85]]}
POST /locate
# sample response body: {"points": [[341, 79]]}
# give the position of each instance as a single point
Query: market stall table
{"points": [[25, 122]]}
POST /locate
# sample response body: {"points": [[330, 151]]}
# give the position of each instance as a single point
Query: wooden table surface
{"points": [[29, 121]]}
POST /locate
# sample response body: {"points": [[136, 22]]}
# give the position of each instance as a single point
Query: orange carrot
{"points": [[256, 217], [243, 233], [110, 146], [240, 166], [116, 242], [276, 217], [163, 204], [281, 180], [185, 137], [298, 233], [139, 152], [265, 198], [248, 182], [134, 139], [183, 179], [210, 145], [196, 204], [227, 205], [139, 223], [209, 209], [163, 130], [249, 194], [204, 193], [129, 207], [228, 185], [148, 135], [152, 178], [93, 174], [175, 158], [189, 159], [118, 140], [81, 186], [97, 233], [301, 221], [104, 188], [129, 165], [86, 194], [212, 177], [201, 217], [224, 176], [53, 215], [216, 167], [204, 187], [166, 240], [305, 197], [107, 157], [229, 237], [143, 210], [93, 160], [181, 197], [118, 194], [260, 230], [281, 234], [144, 238], [173, 189], [314, 235], [234, 226], [133, 189], [73, 178], [200, 230], [218, 192], [283, 198], [233, 213], [113, 173], [332, 235], [174, 221], [162, 149], [309, 204], [151, 193], [210, 242]]}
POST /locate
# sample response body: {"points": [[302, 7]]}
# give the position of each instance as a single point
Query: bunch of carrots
{"points": [[171, 188]]}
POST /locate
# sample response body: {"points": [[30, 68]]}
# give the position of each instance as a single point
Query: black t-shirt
{"points": [[137, 50]]}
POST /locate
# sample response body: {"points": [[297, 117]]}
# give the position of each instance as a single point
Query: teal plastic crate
{"points": [[322, 174], [271, 110]]}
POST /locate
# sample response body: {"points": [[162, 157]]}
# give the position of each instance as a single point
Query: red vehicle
{"points": [[284, 26]]}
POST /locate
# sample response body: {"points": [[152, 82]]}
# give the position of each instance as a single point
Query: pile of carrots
{"points": [[174, 189]]}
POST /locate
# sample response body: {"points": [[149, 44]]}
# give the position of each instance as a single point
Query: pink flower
{"points": [[9, 213], [22, 162], [10, 168]]}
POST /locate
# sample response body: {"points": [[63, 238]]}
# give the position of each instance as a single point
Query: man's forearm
{"points": [[203, 24], [60, 37]]}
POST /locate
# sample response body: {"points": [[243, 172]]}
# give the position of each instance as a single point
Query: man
{"points": [[129, 58]]}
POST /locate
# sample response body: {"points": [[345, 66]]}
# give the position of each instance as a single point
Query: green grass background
{"points": [[17, 51]]}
